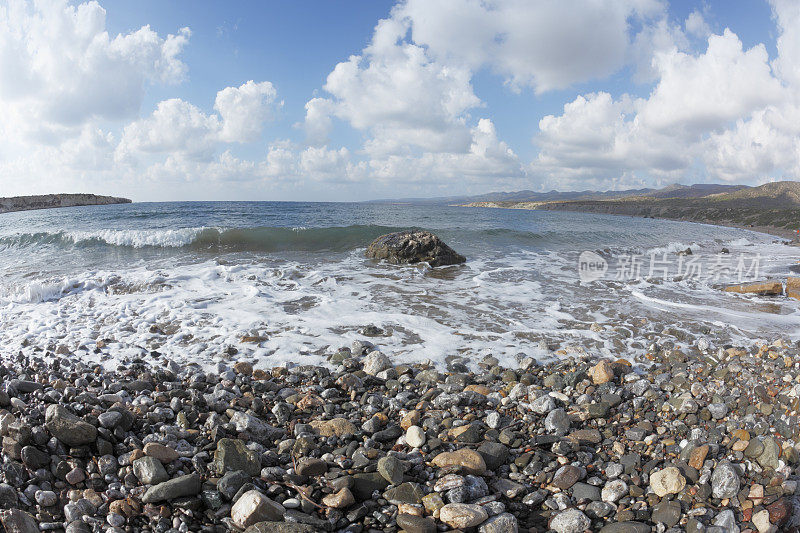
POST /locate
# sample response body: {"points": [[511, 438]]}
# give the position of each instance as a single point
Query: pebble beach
{"points": [[695, 439]]}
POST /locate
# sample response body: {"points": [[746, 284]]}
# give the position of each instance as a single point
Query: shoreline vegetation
{"points": [[773, 208], [51, 201]]}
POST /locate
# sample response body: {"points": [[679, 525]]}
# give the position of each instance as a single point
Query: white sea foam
{"points": [[519, 303], [672, 248], [171, 238]]}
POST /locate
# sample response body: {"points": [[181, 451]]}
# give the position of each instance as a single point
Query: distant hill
{"points": [[671, 191], [49, 201], [772, 207]]}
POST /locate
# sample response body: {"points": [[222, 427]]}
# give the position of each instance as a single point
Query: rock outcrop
{"points": [[413, 246], [49, 201]]}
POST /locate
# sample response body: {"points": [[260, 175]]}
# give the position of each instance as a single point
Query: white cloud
{"points": [[71, 97], [549, 44], [487, 158], [765, 146], [716, 115], [787, 64], [244, 110], [174, 126], [398, 95], [708, 91], [178, 127], [696, 25], [59, 67], [318, 124]]}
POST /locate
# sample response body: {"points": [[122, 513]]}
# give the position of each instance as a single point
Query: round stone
{"points": [[462, 515], [415, 436], [570, 521]]}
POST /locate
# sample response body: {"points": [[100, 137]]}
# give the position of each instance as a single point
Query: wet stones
{"points": [[336, 427], [376, 362], [391, 469], [416, 524], [415, 436], [557, 422], [231, 482], [18, 521], [310, 466], [601, 373], [666, 512], [567, 476], [339, 500], [163, 453], [364, 484]]}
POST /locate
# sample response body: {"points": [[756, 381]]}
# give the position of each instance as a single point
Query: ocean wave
{"points": [[262, 239], [250, 239]]}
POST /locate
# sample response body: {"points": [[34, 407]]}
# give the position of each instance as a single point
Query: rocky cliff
{"points": [[48, 201]]}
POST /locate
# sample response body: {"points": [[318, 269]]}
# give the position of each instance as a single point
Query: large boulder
{"points": [[413, 246]]}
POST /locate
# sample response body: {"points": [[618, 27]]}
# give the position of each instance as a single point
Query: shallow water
{"points": [[190, 279]]}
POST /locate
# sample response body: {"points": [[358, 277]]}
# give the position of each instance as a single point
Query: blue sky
{"points": [[445, 97]]}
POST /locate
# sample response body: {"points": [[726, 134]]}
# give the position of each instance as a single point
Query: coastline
{"points": [[14, 204], [537, 206], [695, 437]]}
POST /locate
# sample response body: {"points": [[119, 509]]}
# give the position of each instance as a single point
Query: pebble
{"points": [[567, 445], [667, 481], [570, 521], [253, 507], [415, 436], [462, 515]]}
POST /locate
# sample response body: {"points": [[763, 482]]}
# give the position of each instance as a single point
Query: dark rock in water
{"points": [[416, 246]]}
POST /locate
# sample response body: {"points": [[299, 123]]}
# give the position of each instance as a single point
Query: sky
{"points": [[357, 100]]}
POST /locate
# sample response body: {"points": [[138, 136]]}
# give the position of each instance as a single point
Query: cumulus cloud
{"points": [[244, 110], [696, 25], [703, 107], [59, 67], [549, 44], [178, 127], [399, 95], [723, 114]]}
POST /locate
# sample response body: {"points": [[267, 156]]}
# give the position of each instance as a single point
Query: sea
{"points": [[281, 283]]}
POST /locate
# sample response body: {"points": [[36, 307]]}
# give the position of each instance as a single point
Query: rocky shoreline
{"points": [[699, 440], [50, 201], [774, 222]]}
